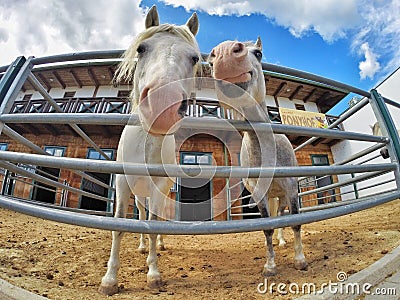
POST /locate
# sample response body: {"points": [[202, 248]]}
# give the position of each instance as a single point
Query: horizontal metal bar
{"points": [[189, 122], [79, 118], [343, 183], [175, 227], [360, 154], [18, 170], [313, 77], [246, 214], [187, 171], [251, 205], [241, 198], [89, 55], [391, 102], [65, 208], [22, 140]]}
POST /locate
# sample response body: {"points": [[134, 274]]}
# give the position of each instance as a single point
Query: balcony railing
{"points": [[119, 105], [200, 107]]}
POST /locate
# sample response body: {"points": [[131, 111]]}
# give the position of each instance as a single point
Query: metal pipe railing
{"points": [[216, 124], [209, 227], [187, 171]]}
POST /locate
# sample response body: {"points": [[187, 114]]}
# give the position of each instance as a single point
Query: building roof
{"points": [[100, 73]]}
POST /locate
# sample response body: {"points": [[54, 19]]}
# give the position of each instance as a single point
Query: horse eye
{"points": [[141, 49], [195, 59], [258, 54]]}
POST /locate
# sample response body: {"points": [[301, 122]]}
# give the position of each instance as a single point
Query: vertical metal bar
{"points": [[14, 88], [355, 187], [5, 184], [388, 129], [228, 191], [9, 76]]}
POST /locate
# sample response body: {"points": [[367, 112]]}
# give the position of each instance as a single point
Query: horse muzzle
{"points": [[162, 110]]}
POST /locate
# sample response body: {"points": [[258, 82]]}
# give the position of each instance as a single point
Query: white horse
{"points": [[158, 62], [240, 65]]}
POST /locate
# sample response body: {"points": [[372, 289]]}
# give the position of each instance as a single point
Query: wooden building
{"points": [[86, 88]]}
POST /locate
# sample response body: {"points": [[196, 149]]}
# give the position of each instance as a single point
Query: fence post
{"points": [[388, 129]]}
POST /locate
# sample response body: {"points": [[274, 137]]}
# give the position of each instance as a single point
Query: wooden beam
{"points": [[296, 91], [58, 78], [75, 78], [323, 97], [279, 89], [110, 73], [93, 77], [44, 80], [310, 95]]}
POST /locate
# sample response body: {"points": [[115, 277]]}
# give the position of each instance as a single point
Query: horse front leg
{"points": [[156, 208], [270, 266], [109, 282], [140, 204], [153, 276], [299, 258]]}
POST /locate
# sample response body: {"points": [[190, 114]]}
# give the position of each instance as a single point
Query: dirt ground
{"points": [[67, 262]]}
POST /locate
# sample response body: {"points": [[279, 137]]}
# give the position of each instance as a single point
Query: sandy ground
{"points": [[67, 262]]}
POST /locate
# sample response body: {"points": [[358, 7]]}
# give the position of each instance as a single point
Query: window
{"points": [[196, 158], [55, 151], [3, 146], [299, 106], [94, 154], [69, 94], [319, 160]]}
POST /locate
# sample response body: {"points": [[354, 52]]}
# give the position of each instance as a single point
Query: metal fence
{"points": [[357, 175]]}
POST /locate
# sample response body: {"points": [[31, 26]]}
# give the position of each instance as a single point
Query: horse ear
{"points": [[152, 17], [258, 43], [193, 24]]}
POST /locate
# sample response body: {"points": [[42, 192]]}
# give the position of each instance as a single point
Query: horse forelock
{"points": [[126, 69]]}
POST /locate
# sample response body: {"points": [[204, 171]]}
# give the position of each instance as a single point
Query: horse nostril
{"points": [[238, 48], [183, 108]]}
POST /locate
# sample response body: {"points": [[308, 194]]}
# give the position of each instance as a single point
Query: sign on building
{"points": [[303, 118]]}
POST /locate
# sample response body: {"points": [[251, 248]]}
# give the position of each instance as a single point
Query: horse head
{"points": [[162, 63], [237, 67]]}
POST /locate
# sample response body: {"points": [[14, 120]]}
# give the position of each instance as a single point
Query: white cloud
{"points": [[381, 30], [370, 65], [44, 27], [327, 18], [375, 22]]}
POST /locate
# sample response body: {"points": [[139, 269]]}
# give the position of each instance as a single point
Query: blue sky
{"points": [[353, 41]]}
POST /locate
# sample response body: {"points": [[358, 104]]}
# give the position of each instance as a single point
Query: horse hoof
{"points": [[269, 272], [301, 265], [108, 290], [154, 283], [142, 250]]}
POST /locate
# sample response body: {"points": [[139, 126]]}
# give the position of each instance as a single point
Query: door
{"points": [[43, 192], [321, 181], [91, 203], [195, 193]]}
